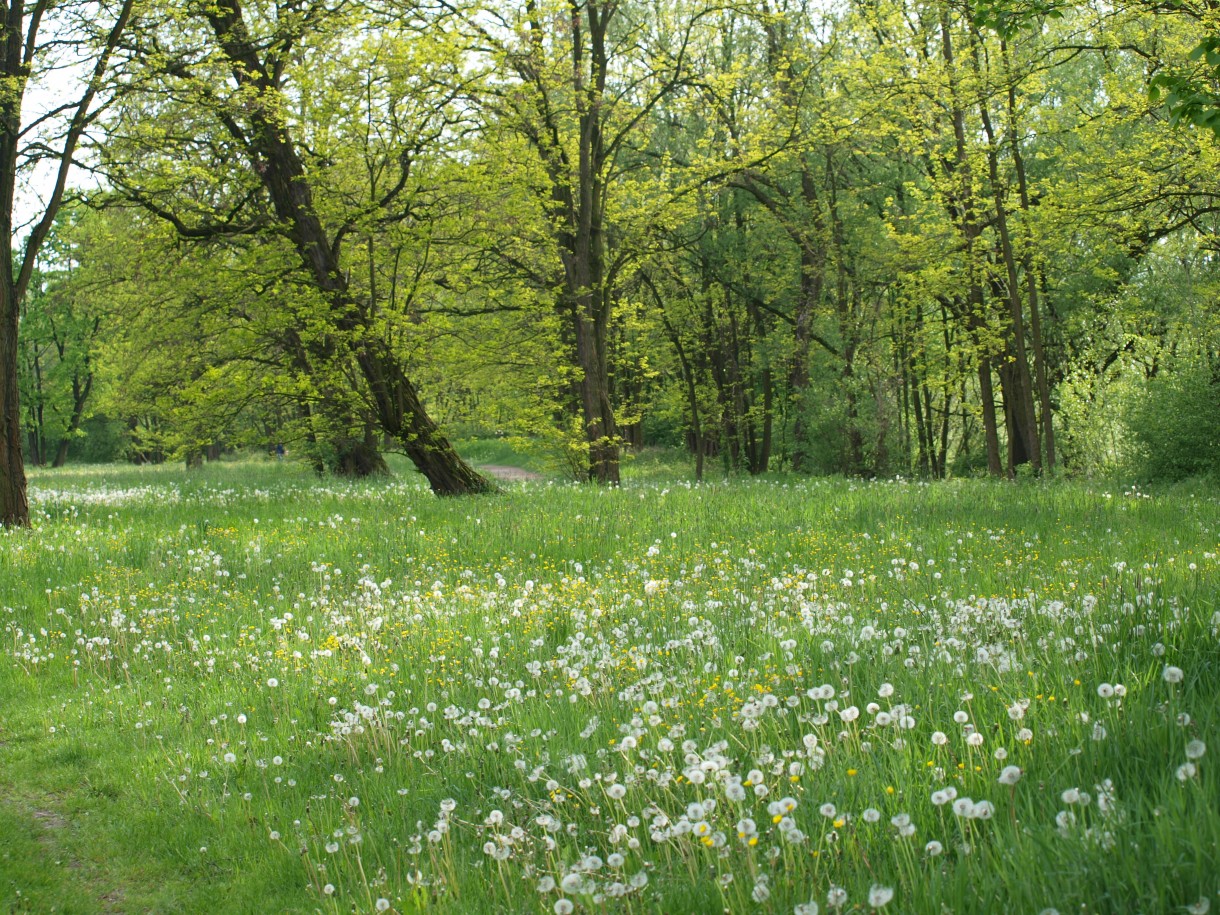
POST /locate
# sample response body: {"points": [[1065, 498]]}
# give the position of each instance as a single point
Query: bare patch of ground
{"points": [[52, 828], [49, 820]]}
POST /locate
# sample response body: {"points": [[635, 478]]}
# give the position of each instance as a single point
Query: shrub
{"points": [[1176, 423]]}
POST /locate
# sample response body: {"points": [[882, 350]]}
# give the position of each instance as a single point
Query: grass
{"points": [[246, 689], [504, 452]]}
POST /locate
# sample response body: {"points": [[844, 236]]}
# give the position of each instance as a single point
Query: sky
{"points": [[47, 90]]}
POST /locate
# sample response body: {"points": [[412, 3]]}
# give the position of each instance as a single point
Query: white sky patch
{"points": [[54, 85]]}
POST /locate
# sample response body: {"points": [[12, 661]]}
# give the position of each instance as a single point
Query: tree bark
{"points": [[1031, 276], [360, 458], [692, 394], [601, 432], [764, 457], [14, 506]]}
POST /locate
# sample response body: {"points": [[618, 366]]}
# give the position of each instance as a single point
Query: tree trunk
{"points": [[80, 397], [813, 277], [20, 54], [941, 462], [14, 506], [401, 414], [971, 231], [1014, 372], [597, 411], [991, 434], [1032, 277], [764, 458], [692, 393], [360, 458], [798, 375], [922, 430], [38, 434]]}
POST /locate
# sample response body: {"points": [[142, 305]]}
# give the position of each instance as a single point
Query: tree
{"points": [[579, 80], [247, 72], [62, 321], [33, 42]]}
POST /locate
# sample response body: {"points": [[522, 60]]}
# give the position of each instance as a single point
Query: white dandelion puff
{"points": [[879, 895], [1010, 775]]}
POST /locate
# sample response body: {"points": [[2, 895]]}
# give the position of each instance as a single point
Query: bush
{"points": [[102, 441], [1176, 423]]}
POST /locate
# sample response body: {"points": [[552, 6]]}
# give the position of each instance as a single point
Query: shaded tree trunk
{"points": [[692, 395], [1032, 278], [37, 429], [601, 431], [1024, 446], [14, 506], [361, 457], [764, 457]]}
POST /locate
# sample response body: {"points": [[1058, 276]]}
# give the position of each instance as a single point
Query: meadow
{"points": [[247, 689]]}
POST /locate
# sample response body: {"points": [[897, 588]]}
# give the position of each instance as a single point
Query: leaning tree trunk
{"points": [[401, 414], [1031, 279], [1024, 443]]}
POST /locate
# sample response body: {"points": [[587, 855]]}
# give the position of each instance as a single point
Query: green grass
{"points": [[505, 452], [503, 653]]}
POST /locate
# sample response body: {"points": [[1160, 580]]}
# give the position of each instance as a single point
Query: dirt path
{"points": [[38, 863], [510, 474]]}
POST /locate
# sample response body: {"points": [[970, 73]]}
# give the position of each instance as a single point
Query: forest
{"points": [[877, 238], [843, 379]]}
